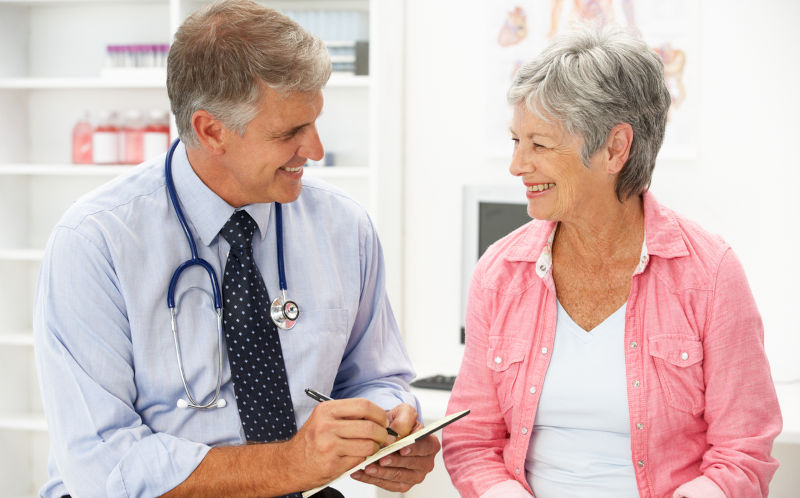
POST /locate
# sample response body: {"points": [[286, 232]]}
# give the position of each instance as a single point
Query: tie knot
{"points": [[238, 230]]}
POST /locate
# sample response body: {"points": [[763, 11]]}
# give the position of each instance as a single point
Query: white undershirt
{"points": [[581, 439]]}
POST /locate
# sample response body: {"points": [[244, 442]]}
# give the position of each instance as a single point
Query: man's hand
{"points": [[337, 436], [402, 469]]}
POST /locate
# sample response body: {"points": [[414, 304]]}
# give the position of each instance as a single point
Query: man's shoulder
{"points": [[322, 198], [129, 192]]}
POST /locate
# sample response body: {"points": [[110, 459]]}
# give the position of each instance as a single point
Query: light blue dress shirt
{"points": [[104, 347]]}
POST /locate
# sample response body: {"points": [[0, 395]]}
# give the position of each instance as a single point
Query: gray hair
{"points": [[592, 80], [225, 52]]}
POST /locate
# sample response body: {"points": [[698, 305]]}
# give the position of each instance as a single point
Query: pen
{"points": [[321, 397]]}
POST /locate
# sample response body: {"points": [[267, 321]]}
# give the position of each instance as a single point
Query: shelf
{"points": [[81, 83], [338, 80], [16, 338], [67, 2], [20, 169], [33, 255], [34, 423]]}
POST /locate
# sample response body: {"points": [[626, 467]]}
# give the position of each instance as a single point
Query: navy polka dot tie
{"points": [[254, 346]]}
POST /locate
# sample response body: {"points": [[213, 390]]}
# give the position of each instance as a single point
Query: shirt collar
{"points": [[663, 235], [205, 211], [662, 238]]}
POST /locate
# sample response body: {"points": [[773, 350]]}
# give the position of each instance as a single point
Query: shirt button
{"points": [[634, 344], [635, 383], [498, 360], [684, 356], [544, 350], [640, 426], [532, 390], [517, 470], [640, 463], [524, 430], [541, 268]]}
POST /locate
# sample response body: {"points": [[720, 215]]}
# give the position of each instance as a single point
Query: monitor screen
{"points": [[498, 219]]}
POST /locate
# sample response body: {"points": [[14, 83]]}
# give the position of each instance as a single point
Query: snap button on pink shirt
{"points": [[702, 405]]}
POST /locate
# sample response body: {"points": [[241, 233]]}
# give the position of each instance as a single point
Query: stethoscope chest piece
{"points": [[284, 312]]}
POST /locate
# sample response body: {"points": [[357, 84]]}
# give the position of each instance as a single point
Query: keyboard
{"points": [[443, 382]]}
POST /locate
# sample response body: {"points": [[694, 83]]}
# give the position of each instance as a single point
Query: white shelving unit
{"points": [[53, 54]]}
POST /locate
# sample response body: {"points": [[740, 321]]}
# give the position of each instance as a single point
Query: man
{"points": [[131, 406]]}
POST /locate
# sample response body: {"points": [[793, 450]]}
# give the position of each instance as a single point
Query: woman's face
{"points": [[559, 186]]}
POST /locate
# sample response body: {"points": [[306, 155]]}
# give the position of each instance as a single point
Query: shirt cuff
{"points": [[155, 465], [506, 489], [699, 487]]}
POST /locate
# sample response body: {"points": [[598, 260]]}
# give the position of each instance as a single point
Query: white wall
{"points": [[742, 184]]}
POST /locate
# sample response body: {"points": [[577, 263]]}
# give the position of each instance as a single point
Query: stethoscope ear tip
{"points": [[182, 403]]}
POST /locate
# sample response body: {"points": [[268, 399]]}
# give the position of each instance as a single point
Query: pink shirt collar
{"points": [[665, 241]]}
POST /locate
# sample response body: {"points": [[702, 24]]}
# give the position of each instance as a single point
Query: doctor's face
{"points": [[265, 164]]}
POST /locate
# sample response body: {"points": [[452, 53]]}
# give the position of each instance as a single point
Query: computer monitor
{"points": [[489, 213]]}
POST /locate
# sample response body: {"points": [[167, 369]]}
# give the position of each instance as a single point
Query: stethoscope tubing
{"points": [[278, 309], [195, 260]]}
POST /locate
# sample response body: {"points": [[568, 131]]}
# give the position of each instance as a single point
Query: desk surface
{"points": [[434, 405]]}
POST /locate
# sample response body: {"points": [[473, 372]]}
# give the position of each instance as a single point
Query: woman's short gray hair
{"points": [[225, 52], [590, 80]]}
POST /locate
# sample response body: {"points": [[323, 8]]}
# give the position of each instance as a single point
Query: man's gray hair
{"points": [[589, 80], [225, 52]]}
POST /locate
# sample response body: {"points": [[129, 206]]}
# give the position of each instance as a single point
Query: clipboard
{"points": [[397, 445]]}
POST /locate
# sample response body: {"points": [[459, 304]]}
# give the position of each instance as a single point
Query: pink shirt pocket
{"points": [[679, 366]]}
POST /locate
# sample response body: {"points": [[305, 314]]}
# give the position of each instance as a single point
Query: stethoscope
{"points": [[284, 312]]}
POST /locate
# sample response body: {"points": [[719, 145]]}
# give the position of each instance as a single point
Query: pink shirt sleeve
{"points": [[741, 407], [700, 487], [473, 451]]}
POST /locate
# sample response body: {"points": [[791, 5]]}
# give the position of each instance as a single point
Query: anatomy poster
{"points": [[518, 30]]}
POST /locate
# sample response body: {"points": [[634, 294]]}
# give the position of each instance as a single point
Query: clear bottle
{"points": [[132, 138], [82, 140], [105, 139], [156, 133]]}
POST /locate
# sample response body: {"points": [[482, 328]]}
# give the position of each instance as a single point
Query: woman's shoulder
{"points": [[510, 262], [682, 243]]}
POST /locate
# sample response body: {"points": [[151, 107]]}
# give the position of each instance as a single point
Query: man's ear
{"points": [[618, 147], [209, 131]]}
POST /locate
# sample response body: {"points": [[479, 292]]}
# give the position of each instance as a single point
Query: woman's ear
{"points": [[209, 131], [618, 147]]}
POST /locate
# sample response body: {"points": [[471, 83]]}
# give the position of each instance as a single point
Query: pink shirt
{"points": [[702, 405]]}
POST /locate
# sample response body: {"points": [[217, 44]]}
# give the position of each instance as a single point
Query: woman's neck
{"points": [[613, 233]]}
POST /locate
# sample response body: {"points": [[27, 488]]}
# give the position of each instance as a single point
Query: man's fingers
{"points": [[360, 429], [394, 479], [425, 447], [356, 409], [403, 419]]}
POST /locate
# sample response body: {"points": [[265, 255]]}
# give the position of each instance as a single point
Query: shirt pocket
{"points": [[505, 358], [679, 365]]}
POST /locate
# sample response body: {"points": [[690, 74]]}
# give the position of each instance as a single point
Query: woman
{"points": [[613, 347]]}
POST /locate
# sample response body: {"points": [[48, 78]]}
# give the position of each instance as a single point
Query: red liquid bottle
{"points": [[82, 141], [156, 134]]}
